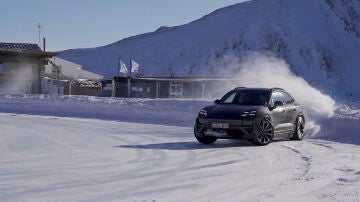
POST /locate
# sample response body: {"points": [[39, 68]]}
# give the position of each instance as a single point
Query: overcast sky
{"points": [[70, 24]]}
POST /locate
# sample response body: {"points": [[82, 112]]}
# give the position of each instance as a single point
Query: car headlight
{"points": [[249, 113], [203, 112]]}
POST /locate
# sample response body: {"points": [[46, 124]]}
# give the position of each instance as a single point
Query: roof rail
{"points": [[241, 87], [276, 88]]}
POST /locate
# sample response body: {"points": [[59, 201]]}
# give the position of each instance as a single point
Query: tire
{"points": [[299, 128], [265, 133], [199, 135]]}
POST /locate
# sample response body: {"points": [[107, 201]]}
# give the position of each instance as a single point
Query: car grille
{"points": [[236, 126]]}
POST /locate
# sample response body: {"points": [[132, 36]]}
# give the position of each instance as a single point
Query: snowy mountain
{"points": [[320, 40]]}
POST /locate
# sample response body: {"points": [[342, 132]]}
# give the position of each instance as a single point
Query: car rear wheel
{"points": [[199, 135], [299, 129], [265, 133]]}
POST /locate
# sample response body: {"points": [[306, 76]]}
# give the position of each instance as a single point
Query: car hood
{"points": [[230, 111]]}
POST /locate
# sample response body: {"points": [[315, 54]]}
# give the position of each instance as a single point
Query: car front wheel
{"points": [[265, 133], [199, 135]]}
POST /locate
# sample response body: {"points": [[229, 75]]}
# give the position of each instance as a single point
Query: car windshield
{"points": [[246, 97]]}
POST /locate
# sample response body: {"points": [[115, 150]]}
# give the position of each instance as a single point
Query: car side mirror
{"points": [[217, 101], [278, 103]]}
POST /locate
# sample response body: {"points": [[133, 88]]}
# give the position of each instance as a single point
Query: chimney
{"points": [[44, 41]]}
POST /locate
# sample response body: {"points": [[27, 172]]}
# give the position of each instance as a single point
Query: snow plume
{"points": [[265, 70]]}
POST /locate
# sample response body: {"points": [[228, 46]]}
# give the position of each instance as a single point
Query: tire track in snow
{"points": [[304, 166], [320, 173], [156, 174], [322, 144], [88, 181], [126, 174], [343, 161], [280, 172], [144, 170]]}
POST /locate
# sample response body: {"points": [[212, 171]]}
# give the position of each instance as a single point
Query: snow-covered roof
{"points": [[69, 70]]}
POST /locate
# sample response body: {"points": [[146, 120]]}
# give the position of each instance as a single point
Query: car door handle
{"points": [[294, 109], [284, 111]]}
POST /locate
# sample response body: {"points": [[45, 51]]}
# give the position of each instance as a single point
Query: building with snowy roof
{"points": [[21, 67], [25, 68]]}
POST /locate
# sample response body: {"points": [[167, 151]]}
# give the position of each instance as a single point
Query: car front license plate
{"points": [[220, 125]]}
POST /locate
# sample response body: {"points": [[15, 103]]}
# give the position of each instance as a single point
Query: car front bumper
{"points": [[228, 129]]}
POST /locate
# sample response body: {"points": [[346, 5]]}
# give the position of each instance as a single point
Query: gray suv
{"points": [[255, 114]]}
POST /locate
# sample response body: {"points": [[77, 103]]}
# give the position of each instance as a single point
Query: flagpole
{"points": [[119, 68], [130, 67], [130, 92]]}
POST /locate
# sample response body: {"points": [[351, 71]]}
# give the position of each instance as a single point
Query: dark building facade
{"points": [[171, 87]]}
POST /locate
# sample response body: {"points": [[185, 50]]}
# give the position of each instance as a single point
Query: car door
{"points": [[278, 113], [291, 110]]}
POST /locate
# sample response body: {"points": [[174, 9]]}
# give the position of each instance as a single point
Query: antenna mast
{"points": [[39, 28]]}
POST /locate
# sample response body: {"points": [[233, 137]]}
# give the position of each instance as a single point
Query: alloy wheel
{"points": [[266, 132]]}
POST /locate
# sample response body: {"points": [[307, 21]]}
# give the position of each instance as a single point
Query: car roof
{"points": [[259, 89]]}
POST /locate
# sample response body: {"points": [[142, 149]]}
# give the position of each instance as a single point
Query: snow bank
{"points": [[344, 126], [164, 112]]}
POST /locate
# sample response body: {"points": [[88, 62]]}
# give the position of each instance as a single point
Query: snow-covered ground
{"points": [[78, 148]]}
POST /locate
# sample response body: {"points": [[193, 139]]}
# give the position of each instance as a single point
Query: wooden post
{"points": [[70, 87], [182, 90], [203, 90], [169, 89], [113, 90], [129, 87], [157, 89]]}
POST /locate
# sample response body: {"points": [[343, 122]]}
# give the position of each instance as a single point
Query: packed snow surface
{"points": [[79, 148]]}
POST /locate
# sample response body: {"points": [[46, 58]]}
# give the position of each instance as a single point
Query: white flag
{"points": [[134, 66], [123, 68]]}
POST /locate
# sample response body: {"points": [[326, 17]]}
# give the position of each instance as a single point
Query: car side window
{"points": [[287, 98], [230, 99], [283, 97], [276, 96]]}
